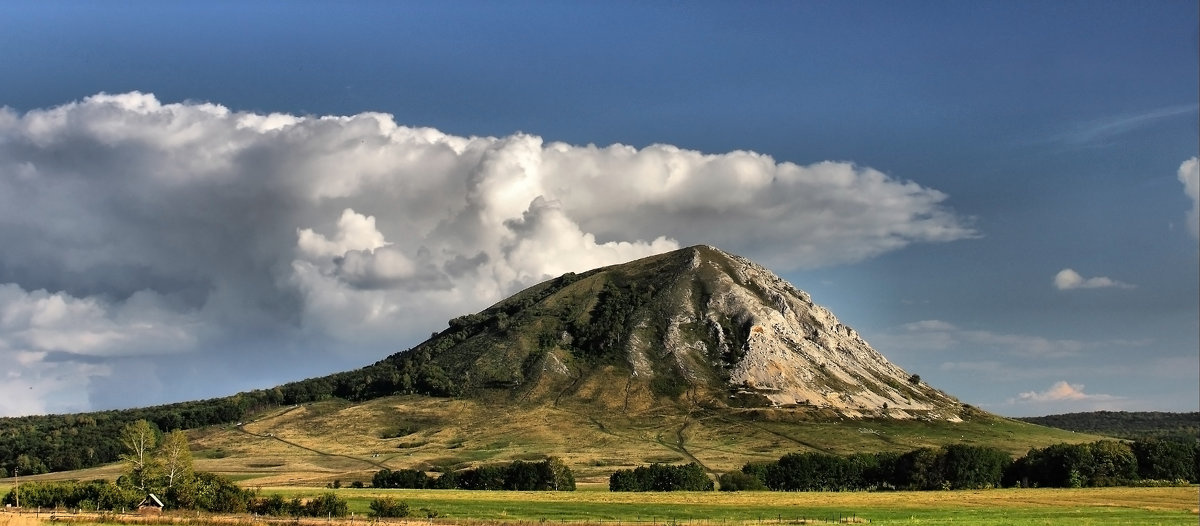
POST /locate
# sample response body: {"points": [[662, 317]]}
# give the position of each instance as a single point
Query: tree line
{"points": [[548, 475], [961, 466]]}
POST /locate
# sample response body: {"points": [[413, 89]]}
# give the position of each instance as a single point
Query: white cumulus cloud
{"points": [[1189, 175], [1062, 391], [1068, 279], [137, 227]]}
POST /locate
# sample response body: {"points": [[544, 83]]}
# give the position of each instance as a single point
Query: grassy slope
{"points": [[314, 444], [317, 443]]}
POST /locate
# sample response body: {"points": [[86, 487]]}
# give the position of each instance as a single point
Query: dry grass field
{"points": [[295, 451], [315, 444]]}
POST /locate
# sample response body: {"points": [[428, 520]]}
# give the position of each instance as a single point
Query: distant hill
{"points": [[1132, 425], [695, 354]]}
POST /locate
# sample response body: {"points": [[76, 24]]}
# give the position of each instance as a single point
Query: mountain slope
{"points": [[695, 326]]}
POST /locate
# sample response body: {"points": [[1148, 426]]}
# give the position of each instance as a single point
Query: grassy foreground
{"points": [[1001, 506], [593, 506]]}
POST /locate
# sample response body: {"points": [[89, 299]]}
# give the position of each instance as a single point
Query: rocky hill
{"points": [[696, 326]]}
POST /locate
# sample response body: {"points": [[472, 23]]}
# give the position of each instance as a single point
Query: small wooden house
{"points": [[150, 505]]}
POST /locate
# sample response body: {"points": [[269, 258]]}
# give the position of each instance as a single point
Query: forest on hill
{"points": [[1131, 425], [47, 443]]}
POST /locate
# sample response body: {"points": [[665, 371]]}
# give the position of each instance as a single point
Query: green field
{"points": [[593, 504], [1000, 506]]}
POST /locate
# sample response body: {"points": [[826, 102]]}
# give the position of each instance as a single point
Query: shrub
{"points": [[326, 505], [388, 507], [739, 481]]}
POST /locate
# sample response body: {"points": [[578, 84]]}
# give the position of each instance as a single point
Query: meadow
{"points": [[999, 506], [594, 505], [315, 444]]}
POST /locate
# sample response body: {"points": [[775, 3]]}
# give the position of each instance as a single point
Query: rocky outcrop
{"points": [[797, 353], [698, 321]]}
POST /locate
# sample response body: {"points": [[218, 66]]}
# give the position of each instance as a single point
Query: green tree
{"points": [[973, 467], [29, 465], [141, 466], [1113, 463], [561, 477], [1167, 459], [175, 458]]}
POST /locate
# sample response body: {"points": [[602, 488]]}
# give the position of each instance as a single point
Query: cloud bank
{"points": [[1068, 279], [164, 234]]}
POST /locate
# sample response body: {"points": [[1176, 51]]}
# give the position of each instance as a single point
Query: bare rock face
{"points": [[696, 324], [798, 353]]}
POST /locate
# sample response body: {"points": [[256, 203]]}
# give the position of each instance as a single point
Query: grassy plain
{"points": [[1131, 506], [1000, 506]]}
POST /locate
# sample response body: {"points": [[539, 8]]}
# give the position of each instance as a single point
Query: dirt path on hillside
{"points": [[306, 448]]}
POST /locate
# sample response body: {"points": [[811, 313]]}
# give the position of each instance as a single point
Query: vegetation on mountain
{"points": [[1130, 425]]}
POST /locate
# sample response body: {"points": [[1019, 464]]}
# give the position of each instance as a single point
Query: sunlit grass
{"points": [[593, 506], [1051, 506]]}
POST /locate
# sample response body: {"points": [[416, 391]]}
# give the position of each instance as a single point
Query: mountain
{"points": [[697, 326], [695, 355]]}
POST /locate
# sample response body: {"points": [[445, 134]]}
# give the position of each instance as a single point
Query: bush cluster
{"points": [[548, 475], [204, 492], [324, 505], [96, 495], [661, 477]]}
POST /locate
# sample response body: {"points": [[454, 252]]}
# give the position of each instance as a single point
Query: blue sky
{"points": [[925, 169]]}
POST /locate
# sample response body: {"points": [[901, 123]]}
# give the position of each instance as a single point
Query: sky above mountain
{"points": [[198, 198]]}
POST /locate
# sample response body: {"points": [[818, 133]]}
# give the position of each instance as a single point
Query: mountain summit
{"points": [[695, 326]]}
